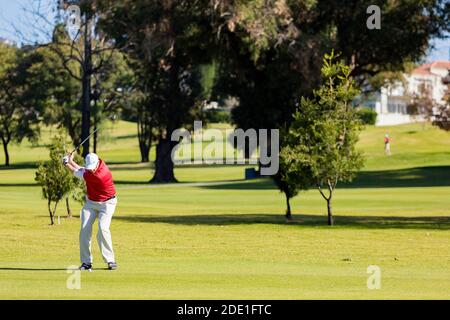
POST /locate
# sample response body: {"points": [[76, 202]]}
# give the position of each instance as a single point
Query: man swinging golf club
{"points": [[100, 200]]}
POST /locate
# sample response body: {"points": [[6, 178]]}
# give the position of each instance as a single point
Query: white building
{"points": [[391, 101], [430, 76]]}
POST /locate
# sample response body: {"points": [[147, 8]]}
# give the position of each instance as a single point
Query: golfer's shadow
{"points": [[45, 269], [34, 269]]}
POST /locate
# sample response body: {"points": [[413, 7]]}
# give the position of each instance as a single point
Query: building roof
{"points": [[441, 64], [425, 69]]}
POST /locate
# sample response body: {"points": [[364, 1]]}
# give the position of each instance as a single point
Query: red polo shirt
{"points": [[99, 184]]}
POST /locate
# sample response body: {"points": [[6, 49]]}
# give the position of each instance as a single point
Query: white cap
{"points": [[91, 161]]}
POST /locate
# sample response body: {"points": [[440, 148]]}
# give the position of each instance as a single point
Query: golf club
{"points": [[83, 141]]}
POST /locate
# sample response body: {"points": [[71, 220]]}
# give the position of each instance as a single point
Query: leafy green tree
{"points": [[86, 49], [169, 40], [291, 178], [20, 104], [137, 108], [422, 105], [107, 79], [271, 50], [323, 134], [7, 107], [56, 181], [77, 186], [441, 116], [63, 92], [111, 82]]}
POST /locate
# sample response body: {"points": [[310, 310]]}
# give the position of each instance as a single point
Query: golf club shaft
{"points": [[84, 141]]}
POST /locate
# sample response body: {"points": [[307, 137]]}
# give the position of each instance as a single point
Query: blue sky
{"points": [[12, 13], [16, 15]]}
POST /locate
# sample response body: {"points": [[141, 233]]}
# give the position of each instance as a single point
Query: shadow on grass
{"points": [[35, 165], [21, 165], [254, 184], [132, 182], [369, 222], [181, 183], [31, 184], [43, 269], [33, 269], [132, 164], [126, 136], [438, 176], [435, 176]]}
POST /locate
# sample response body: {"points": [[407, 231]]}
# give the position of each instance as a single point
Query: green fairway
{"points": [[217, 236]]}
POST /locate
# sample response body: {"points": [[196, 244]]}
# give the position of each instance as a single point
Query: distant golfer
{"points": [[101, 200], [387, 145]]}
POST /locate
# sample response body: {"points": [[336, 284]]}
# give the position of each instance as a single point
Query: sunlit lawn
{"points": [[201, 239]]}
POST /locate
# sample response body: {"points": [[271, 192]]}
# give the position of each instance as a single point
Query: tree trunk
{"points": [[247, 154], [163, 164], [50, 212], [5, 149], [329, 200], [54, 209], [144, 136], [86, 86], [95, 135], [69, 212], [330, 212], [145, 141], [145, 151], [288, 208]]}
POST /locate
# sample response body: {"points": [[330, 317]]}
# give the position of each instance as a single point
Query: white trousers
{"points": [[90, 211]]}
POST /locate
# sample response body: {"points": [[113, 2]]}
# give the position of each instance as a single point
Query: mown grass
{"points": [[227, 238]]}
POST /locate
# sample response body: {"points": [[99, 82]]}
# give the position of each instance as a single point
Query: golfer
{"points": [[387, 145], [100, 201]]}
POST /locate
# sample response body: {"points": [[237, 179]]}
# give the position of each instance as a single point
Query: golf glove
{"points": [[65, 160]]}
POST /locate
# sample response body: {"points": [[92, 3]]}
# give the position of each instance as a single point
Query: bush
{"points": [[217, 116], [56, 181], [367, 116]]}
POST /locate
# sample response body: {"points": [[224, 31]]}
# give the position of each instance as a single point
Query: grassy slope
{"points": [[230, 241]]}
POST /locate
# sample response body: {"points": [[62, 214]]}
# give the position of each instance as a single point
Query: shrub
{"points": [[217, 116], [56, 181], [367, 116]]}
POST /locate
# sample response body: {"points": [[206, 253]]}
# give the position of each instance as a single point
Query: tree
{"points": [[77, 187], [20, 104], [441, 116], [271, 50], [291, 178], [63, 92], [136, 108], [324, 133], [7, 107], [422, 104], [167, 39], [257, 65], [56, 181], [81, 51], [110, 86], [88, 59]]}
